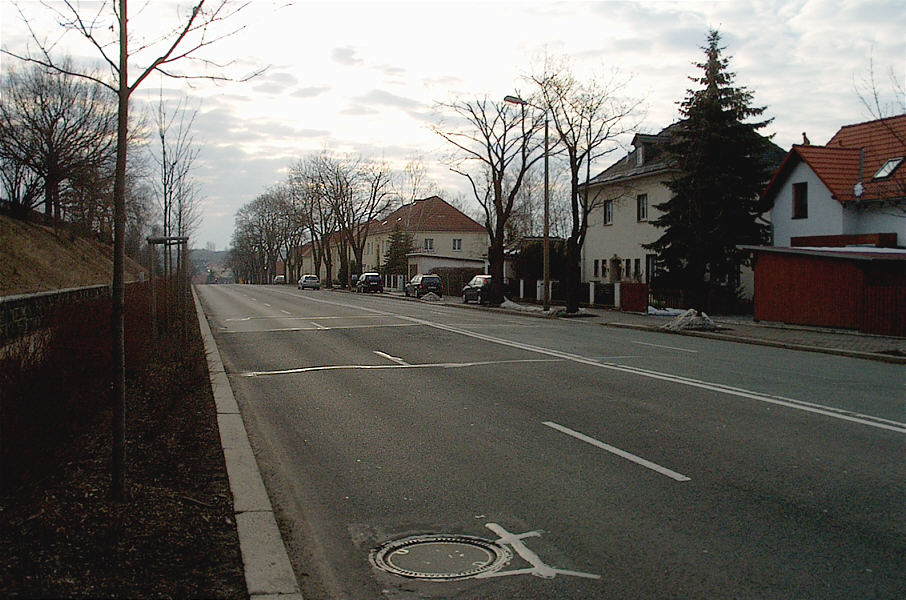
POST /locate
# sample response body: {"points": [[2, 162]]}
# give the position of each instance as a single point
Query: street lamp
{"points": [[546, 239]]}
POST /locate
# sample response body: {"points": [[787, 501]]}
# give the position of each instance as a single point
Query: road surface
{"points": [[605, 463]]}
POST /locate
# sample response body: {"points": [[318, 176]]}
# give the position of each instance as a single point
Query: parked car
{"points": [[280, 279], [309, 281], [479, 289], [369, 282], [420, 285]]}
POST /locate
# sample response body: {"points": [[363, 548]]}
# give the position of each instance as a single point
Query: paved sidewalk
{"points": [[744, 330], [811, 339]]}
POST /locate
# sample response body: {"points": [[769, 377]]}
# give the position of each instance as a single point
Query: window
{"points": [[800, 200], [641, 207], [888, 167], [608, 212], [429, 244], [649, 267], [596, 268], [637, 273], [457, 244], [627, 272], [640, 156]]}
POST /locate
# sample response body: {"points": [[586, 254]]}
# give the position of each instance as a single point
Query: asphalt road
{"points": [[641, 465]]}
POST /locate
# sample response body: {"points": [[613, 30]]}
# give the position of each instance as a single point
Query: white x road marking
{"points": [[538, 569]]}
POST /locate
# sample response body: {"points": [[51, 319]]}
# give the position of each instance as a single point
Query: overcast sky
{"points": [[365, 77]]}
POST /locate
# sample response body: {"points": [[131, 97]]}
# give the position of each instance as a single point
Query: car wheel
{"points": [[480, 298], [464, 299]]}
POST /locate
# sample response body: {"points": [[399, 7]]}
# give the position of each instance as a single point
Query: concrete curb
{"points": [[268, 572], [770, 343]]}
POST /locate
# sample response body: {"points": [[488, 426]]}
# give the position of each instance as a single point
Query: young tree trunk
{"points": [[117, 467], [496, 258], [572, 275]]}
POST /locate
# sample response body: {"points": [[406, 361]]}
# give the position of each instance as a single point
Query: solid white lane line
{"points": [[319, 327], [395, 359], [614, 450], [482, 363], [301, 317], [666, 347], [828, 411]]}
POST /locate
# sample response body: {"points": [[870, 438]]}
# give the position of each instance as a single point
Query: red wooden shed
{"points": [[849, 288]]}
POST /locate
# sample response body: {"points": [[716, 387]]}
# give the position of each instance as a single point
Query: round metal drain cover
{"points": [[440, 557]]}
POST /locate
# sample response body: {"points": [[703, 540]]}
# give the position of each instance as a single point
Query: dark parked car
{"points": [[420, 285], [479, 289], [369, 282], [309, 281]]}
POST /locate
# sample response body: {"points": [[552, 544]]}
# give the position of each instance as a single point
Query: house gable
{"points": [[844, 172]]}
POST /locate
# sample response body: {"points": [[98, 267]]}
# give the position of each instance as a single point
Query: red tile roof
{"points": [[427, 214], [837, 164]]}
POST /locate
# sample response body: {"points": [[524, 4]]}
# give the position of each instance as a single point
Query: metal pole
{"points": [[547, 219], [185, 289], [153, 256]]}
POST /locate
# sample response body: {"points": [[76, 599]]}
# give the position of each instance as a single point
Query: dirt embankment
{"points": [[36, 258]]}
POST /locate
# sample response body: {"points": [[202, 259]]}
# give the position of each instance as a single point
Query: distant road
{"points": [[641, 465]]}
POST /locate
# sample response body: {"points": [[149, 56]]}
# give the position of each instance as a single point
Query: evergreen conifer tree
{"points": [[723, 166], [400, 244]]}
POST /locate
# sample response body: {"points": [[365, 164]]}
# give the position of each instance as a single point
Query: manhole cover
{"points": [[440, 557]]}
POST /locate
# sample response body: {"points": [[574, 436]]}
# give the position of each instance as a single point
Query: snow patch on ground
{"points": [[691, 320], [665, 312], [431, 297], [509, 304]]}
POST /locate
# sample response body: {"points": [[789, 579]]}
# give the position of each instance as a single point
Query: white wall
{"points": [[626, 235], [874, 219], [825, 215]]}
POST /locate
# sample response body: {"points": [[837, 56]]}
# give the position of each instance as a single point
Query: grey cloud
{"points": [[275, 83], [387, 99], [311, 92], [345, 56]]}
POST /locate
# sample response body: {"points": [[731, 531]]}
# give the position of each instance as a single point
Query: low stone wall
{"points": [[24, 313]]}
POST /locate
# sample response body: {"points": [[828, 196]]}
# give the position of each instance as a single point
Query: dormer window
{"points": [[888, 168], [640, 155]]}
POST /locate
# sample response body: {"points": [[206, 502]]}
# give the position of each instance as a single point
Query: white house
{"points": [[846, 192], [443, 236], [626, 193]]}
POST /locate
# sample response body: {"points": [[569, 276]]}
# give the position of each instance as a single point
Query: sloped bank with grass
{"points": [[60, 535]]}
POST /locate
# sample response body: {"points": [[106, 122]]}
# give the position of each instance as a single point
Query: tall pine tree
{"points": [[399, 245], [723, 165]]}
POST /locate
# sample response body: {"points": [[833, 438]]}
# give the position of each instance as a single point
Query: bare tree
{"points": [[174, 157], [59, 127], [500, 143], [371, 198], [415, 183], [587, 118], [163, 53], [21, 186]]}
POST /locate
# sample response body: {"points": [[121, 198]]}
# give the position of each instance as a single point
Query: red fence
{"points": [[634, 297], [884, 310]]}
